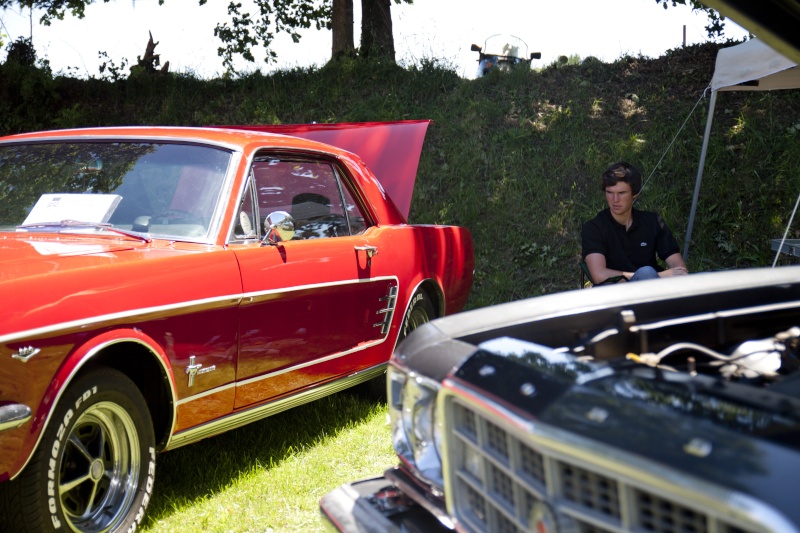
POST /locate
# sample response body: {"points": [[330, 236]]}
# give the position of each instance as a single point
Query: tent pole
{"points": [[699, 179]]}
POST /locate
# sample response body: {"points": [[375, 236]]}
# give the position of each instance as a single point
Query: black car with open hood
{"points": [[664, 406]]}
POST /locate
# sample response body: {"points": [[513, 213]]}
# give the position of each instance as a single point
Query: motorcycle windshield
{"points": [[505, 45]]}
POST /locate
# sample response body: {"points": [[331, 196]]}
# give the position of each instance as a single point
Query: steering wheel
{"points": [[177, 216]]}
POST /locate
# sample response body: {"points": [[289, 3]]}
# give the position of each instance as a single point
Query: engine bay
{"points": [[757, 345]]}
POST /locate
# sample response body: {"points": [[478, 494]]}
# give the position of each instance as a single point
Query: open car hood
{"points": [[391, 150]]}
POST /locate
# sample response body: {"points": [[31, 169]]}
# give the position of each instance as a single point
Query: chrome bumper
{"points": [[13, 415], [375, 505]]}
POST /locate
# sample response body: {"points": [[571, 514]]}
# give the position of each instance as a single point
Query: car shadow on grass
{"points": [[197, 471]]}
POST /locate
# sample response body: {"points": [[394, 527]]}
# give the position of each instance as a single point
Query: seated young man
{"points": [[627, 242]]}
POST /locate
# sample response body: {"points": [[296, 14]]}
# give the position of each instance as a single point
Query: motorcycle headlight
{"points": [[416, 434]]}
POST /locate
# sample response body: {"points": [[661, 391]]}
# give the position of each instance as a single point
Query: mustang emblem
{"points": [[25, 353], [194, 369]]}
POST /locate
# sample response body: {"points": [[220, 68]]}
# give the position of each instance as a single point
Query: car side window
{"points": [[246, 225], [358, 224], [312, 192]]}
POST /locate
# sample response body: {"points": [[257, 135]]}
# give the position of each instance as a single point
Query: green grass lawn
{"points": [[270, 475]]}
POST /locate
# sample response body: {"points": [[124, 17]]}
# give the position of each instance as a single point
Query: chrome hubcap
{"points": [[99, 471]]}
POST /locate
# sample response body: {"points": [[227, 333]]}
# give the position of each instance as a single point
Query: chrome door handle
{"points": [[371, 250]]}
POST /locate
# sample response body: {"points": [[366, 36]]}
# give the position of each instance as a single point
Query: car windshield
{"points": [[165, 190], [505, 45]]}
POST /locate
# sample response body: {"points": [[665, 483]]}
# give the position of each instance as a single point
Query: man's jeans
{"points": [[644, 273]]}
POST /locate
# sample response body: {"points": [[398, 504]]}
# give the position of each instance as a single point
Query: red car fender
{"points": [[447, 278], [79, 357], [451, 272]]}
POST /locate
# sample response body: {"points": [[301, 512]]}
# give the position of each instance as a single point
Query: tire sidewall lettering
{"points": [[415, 299], [55, 450], [418, 297], [148, 490], [85, 396]]}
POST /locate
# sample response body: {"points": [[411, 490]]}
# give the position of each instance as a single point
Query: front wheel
{"points": [[95, 465]]}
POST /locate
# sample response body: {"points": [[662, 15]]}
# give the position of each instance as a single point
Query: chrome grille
{"points": [[476, 505], [659, 514], [532, 464], [589, 490], [502, 486], [497, 474], [468, 425], [496, 439]]}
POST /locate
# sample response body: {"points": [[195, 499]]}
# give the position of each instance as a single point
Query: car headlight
{"points": [[416, 433]]}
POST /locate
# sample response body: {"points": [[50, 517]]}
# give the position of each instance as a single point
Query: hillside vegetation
{"points": [[514, 157]]}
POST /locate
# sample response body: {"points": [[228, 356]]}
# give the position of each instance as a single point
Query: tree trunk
{"points": [[342, 29], [377, 39]]}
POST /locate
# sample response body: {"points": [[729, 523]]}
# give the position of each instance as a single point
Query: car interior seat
{"points": [[307, 208]]}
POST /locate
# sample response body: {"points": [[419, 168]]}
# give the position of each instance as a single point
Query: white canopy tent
{"points": [[750, 66]]}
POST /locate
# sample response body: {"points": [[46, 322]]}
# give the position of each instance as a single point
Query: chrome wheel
{"points": [[100, 465], [95, 466], [418, 316], [419, 312]]}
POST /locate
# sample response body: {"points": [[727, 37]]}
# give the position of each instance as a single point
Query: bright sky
{"points": [[426, 29]]}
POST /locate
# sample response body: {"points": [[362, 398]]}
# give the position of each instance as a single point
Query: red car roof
{"points": [[391, 150]]}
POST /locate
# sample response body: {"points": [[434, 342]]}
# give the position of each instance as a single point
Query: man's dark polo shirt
{"points": [[628, 251]]}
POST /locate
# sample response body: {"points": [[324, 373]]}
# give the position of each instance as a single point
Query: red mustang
{"points": [[162, 285]]}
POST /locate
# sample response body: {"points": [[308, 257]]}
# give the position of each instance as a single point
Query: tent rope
{"points": [[676, 136], [786, 232]]}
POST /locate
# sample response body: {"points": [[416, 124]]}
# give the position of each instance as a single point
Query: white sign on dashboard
{"points": [[94, 208]]}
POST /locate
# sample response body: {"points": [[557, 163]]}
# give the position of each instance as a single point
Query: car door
{"points": [[313, 304]]}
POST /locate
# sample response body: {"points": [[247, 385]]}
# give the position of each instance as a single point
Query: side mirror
{"points": [[475, 48], [536, 55], [278, 227]]}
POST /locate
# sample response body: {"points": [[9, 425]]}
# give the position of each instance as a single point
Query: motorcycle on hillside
{"points": [[503, 52]]}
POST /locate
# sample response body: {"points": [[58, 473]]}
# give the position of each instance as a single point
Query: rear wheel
{"points": [[419, 312], [95, 465]]}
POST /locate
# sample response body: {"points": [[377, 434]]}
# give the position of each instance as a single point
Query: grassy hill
{"points": [[514, 157]]}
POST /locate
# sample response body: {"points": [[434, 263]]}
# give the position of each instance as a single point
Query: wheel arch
{"points": [[148, 371], [137, 356], [435, 295], [131, 352], [434, 292]]}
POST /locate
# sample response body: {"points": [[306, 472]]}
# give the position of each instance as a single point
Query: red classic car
{"points": [[162, 285]]}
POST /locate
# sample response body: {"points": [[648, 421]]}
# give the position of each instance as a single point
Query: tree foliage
{"points": [[244, 31], [52, 9], [716, 23], [22, 52]]}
